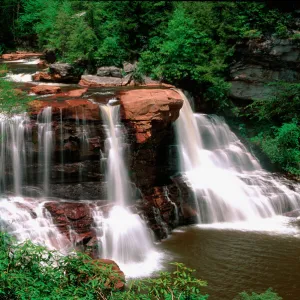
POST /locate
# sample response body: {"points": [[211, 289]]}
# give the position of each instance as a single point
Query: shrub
{"points": [[267, 295]]}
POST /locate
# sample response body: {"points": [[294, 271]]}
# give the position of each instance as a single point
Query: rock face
{"points": [[20, 55], [260, 62], [143, 107]]}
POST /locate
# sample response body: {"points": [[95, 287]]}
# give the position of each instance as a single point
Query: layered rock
{"points": [[20, 55], [97, 81], [259, 62], [144, 106]]}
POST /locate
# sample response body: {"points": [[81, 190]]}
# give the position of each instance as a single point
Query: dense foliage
{"points": [[275, 125]]}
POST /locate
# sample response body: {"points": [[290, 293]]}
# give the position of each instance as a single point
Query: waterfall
{"points": [[124, 236], [13, 132], [29, 220], [228, 182], [117, 176], [45, 145]]}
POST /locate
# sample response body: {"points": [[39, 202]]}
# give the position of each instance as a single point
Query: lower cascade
{"points": [[228, 182], [124, 236], [121, 234]]}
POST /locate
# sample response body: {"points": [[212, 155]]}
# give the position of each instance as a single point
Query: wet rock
{"points": [[45, 89], [109, 72], [45, 77], [76, 93], [79, 191], [293, 214], [80, 109], [74, 216], [20, 55]]}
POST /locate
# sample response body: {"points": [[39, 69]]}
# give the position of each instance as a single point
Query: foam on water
{"points": [[228, 182], [23, 77]]}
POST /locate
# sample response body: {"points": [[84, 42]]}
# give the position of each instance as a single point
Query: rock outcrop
{"points": [[59, 72], [97, 81], [144, 106], [259, 62], [20, 55], [45, 90]]}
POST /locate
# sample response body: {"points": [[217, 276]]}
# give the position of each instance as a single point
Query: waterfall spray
{"points": [[228, 182]]}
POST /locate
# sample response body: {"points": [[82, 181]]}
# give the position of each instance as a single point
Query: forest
{"points": [[190, 45], [205, 48]]}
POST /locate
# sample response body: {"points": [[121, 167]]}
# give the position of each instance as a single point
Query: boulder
{"points": [[97, 81], [45, 89], [46, 77], [20, 55], [150, 105], [67, 72], [109, 72]]}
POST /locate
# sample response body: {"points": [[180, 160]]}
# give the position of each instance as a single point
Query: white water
{"points": [[228, 182], [23, 77], [31, 221], [45, 141], [13, 156], [124, 236], [117, 176]]}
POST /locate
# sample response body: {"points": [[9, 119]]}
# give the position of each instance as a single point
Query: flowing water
{"points": [[228, 182], [124, 236], [45, 142]]}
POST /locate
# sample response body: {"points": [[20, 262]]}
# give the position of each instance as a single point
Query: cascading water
{"points": [[228, 182], [45, 145], [125, 237], [31, 221], [13, 132]]}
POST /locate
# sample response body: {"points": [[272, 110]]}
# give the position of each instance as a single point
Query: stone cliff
{"points": [[262, 61]]}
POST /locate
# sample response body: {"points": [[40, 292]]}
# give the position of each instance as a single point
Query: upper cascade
{"points": [[228, 182]]}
